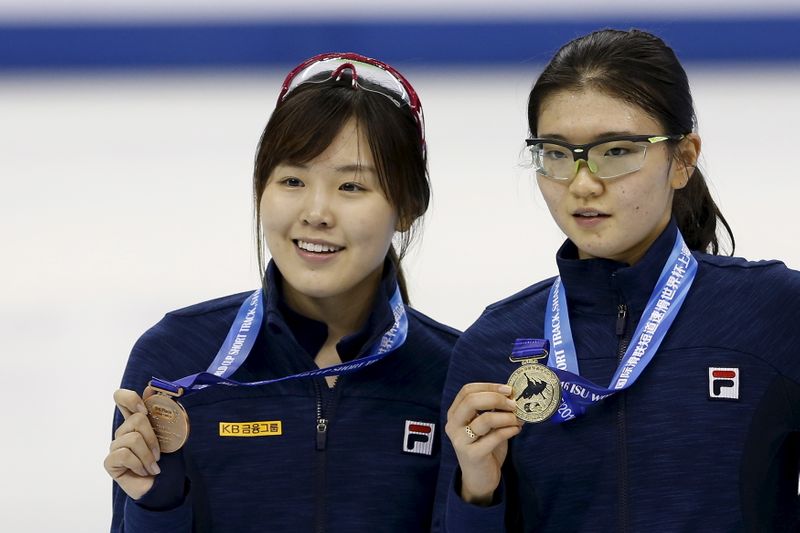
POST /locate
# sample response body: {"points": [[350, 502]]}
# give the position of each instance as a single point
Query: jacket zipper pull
{"points": [[322, 433], [622, 312]]}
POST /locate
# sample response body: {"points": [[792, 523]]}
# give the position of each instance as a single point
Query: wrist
{"points": [[481, 497], [481, 500], [169, 487]]}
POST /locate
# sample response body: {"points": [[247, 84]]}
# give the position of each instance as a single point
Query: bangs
{"points": [[303, 127]]}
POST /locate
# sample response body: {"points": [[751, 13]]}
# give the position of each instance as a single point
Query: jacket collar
{"points": [[600, 285], [311, 334]]}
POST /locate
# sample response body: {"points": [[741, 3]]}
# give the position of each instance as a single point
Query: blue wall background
{"points": [[260, 43]]}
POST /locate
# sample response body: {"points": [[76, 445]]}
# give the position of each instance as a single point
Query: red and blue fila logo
{"points": [[418, 437], [723, 383]]}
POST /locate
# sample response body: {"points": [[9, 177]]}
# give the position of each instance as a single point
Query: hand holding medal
{"points": [[479, 423], [132, 459]]}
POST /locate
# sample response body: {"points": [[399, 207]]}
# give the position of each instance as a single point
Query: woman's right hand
{"points": [[132, 459], [479, 423]]}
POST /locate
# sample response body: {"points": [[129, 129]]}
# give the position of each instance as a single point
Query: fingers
{"points": [[486, 443], [484, 423], [134, 449], [474, 398], [473, 388], [137, 424], [127, 470], [478, 396], [131, 453], [479, 410], [132, 460], [129, 402]]}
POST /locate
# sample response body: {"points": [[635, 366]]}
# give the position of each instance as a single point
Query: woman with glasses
{"points": [[312, 403], [653, 385]]}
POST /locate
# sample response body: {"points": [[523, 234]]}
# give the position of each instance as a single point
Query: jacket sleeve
{"points": [[460, 516], [451, 513], [137, 518], [167, 505]]}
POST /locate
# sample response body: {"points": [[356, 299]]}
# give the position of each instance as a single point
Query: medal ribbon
{"points": [[526, 349], [242, 336], [668, 295]]}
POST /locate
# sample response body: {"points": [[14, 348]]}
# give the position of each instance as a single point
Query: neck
{"points": [[344, 313]]}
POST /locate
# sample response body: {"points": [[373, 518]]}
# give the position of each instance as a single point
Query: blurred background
{"points": [[127, 134]]}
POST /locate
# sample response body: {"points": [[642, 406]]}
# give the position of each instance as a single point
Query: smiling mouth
{"points": [[317, 248]]}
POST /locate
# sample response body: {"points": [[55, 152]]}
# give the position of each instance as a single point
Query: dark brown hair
{"points": [[642, 70], [307, 121]]}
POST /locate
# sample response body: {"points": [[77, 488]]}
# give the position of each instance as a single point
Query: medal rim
{"points": [[553, 380], [181, 427]]}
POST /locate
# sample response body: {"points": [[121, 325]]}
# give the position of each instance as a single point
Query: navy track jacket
{"points": [[373, 465], [666, 454]]}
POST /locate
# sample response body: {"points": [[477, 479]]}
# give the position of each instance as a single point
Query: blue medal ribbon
{"points": [[668, 295], [242, 336], [525, 349]]}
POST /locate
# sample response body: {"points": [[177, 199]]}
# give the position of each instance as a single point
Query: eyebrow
{"points": [[602, 135], [355, 167], [342, 169]]}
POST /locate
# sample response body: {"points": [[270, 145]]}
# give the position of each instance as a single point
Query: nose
{"points": [[317, 209], [585, 184]]}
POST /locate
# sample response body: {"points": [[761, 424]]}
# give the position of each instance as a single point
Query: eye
{"points": [[553, 152], [291, 181], [351, 186], [616, 151]]}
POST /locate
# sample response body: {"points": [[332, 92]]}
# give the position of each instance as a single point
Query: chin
{"points": [[315, 290], [600, 252]]}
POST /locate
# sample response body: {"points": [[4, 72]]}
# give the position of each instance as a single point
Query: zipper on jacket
{"points": [[622, 314], [622, 434], [322, 424], [320, 479], [325, 407]]}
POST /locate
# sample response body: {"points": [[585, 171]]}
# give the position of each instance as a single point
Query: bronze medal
{"points": [[168, 418], [537, 391]]}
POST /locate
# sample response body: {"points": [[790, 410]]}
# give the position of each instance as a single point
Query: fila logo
{"points": [[723, 383], [418, 437]]}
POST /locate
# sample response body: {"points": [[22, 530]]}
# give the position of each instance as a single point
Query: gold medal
{"points": [[537, 391], [168, 418]]}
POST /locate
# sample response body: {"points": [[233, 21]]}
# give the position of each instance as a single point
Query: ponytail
{"points": [[697, 214]]}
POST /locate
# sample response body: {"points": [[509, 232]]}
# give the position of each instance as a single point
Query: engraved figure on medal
{"points": [[537, 391], [168, 418]]}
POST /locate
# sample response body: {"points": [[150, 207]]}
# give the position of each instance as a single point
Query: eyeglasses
{"points": [[382, 79], [606, 158]]}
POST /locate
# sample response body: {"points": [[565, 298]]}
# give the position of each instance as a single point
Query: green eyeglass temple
{"points": [[580, 152]]}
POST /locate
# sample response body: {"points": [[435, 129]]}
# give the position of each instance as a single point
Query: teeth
{"points": [[591, 214], [318, 248]]}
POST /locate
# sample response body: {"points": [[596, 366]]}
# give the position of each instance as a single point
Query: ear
{"points": [[685, 160]]}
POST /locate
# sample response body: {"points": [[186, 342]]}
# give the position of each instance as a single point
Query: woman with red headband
{"points": [[310, 404]]}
